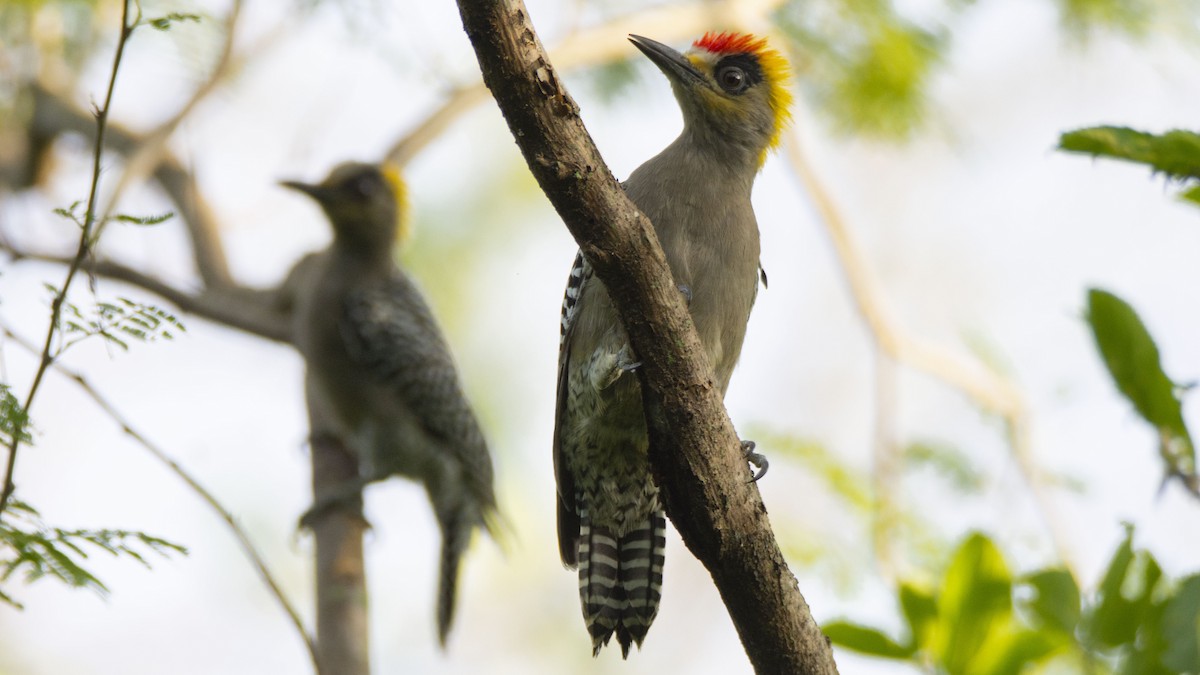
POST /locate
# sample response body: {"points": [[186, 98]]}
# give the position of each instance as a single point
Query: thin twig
{"points": [[81, 253], [243, 538], [262, 312], [153, 148]]}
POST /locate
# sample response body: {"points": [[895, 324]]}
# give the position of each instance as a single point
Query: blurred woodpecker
{"points": [[380, 377], [733, 93]]}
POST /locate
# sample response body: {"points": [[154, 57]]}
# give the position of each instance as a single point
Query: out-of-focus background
{"points": [[924, 134]]}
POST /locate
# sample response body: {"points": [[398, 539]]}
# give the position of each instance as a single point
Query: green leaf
{"points": [[166, 22], [976, 601], [144, 220], [865, 640], [1191, 194], [1175, 153], [1125, 596], [1011, 653], [1109, 622], [14, 421], [1056, 600], [920, 611], [1181, 627], [1133, 360]]}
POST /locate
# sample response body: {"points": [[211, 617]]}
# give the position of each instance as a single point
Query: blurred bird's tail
{"points": [[458, 523], [620, 579]]}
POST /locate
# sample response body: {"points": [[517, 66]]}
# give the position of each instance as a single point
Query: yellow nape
{"points": [[391, 172], [778, 74]]}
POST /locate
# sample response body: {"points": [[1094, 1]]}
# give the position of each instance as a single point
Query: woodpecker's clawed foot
{"points": [[687, 293], [625, 361], [758, 460], [347, 497]]}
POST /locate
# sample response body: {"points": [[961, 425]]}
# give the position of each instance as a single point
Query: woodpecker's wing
{"points": [[568, 514], [391, 332]]}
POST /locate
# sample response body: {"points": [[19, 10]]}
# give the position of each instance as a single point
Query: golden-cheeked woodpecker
{"points": [[732, 90], [379, 375]]}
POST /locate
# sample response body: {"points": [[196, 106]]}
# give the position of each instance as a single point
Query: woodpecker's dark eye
{"points": [[732, 79], [364, 185]]}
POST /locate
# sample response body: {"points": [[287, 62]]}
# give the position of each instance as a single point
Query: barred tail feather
{"points": [[620, 580]]}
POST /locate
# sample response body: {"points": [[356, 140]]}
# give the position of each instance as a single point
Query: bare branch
{"points": [[153, 148], [265, 313], [54, 115], [695, 454], [243, 538]]}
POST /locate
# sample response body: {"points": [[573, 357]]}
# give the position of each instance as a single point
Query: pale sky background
{"points": [[977, 230]]}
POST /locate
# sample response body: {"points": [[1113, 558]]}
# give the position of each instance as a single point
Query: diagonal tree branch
{"points": [[262, 312], [695, 453]]}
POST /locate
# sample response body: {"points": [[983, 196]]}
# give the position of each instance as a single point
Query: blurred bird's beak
{"points": [[317, 192], [673, 64]]}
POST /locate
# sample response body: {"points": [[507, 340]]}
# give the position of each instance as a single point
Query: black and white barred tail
{"points": [[620, 579]]}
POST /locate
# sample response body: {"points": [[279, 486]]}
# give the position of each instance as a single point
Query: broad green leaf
{"points": [[865, 640], [920, 611], [1191, 194], [1056, 601], [1126, 598], [1008, 653], [975, 601], [1133, 361], [1111, 622], [1175, 153], [1181, 627]]}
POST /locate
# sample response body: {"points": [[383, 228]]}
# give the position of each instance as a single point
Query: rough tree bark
{"points": [[695, 454]]}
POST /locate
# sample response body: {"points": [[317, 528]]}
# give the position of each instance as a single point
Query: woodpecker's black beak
{"points": [[673, 64], [317, 192]]}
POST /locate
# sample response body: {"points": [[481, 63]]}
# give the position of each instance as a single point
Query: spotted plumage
{"points": [[379, 375], [696, 192]]}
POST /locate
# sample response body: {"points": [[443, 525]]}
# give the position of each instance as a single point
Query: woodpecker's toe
{"points": [[346, 498], [687, 293], [758, 460]]}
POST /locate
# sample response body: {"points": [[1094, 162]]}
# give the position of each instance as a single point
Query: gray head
{"points": [[364, 203], [732, 89]]}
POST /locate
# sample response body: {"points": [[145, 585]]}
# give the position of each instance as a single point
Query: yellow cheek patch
{"points": [[395, 182]]}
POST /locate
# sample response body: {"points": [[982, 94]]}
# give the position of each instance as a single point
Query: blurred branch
{"points": [[262, 312], [589, 47], [988, 389], [695, 454], [153, 146], [54, 115], [243, 538]]}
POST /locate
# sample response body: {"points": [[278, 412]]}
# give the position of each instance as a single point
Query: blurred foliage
{"points": [[1133, 361], [1175, 154], [983, 620], [31, 549], [947, 461], [1130, 16], [863, 63]]}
